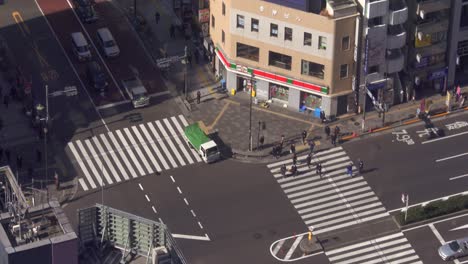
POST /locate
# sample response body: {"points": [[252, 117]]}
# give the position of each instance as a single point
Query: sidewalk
{"points": [[228, 117]]}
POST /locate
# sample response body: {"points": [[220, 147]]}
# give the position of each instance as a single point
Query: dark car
{"points": [[97, 77], [84, 2], [86, 14]]}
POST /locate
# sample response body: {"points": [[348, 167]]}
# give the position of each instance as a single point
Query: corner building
{"points": [[297, 53]]}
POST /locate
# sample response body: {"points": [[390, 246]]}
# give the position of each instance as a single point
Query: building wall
{"points": [[457, 35]]}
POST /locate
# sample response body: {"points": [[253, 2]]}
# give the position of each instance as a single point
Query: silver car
{"points": [[454, 249]]}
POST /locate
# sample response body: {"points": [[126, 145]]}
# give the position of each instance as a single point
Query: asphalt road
{"points": [[425, 169]]}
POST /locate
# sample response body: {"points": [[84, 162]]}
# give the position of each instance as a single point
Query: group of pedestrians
{"points": [[333, 136]]}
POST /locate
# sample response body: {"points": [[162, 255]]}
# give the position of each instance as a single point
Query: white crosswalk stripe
{"points": [[131, 152], [393, 248], [332, 200]]}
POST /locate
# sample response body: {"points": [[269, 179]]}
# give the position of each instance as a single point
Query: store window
{"points": [[279, 92], [310, 100]]}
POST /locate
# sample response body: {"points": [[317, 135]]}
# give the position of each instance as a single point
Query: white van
{"points": [[107, 43], [80, 46]]}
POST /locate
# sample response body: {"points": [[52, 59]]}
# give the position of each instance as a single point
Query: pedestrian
{"points": [[276, 151], [283, 170], [304, 136], [333, 139], [322, 116], [38, 155], [293, 170], [360, 166], [349, 169], [293, 148], [198, 97], [308, 160], [7, 155], [6, 101], [311, 147], [318, 169], [327, 131], [282, 141], [189, 58], [19, 162], [294, 159], [157, 17], [261, 140], [462, 102], [337, 131]]}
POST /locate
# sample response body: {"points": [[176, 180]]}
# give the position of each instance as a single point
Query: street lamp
{"points": [[250, 109]]}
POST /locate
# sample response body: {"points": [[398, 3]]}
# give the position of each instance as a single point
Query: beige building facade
{"points": [[298, 56]]}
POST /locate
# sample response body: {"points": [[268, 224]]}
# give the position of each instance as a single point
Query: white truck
{"points": [[198, 140], [136, 91]]}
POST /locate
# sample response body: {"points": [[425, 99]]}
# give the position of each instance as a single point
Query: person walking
{"points": [[322, 116], [293, 148], [157, 17], [198, 97], [318, 169], [337, 131], [294, 159], [282, 141], [308, 160], [283, 170], [293, 170], [327, 131], [304, 136], [349, 169], [311, 147], [360, 166], [261, 140], [333, 139]]}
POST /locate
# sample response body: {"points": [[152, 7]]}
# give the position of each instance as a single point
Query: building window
{"points": [[373, 69], [223, 9], [313, 69], [464, 16], [376, 21], [212, 21], [322, 44], [240, 21], [254, 25], [273, 30], [222, 36], [288, 33], [279, 60], [247, 52], [343, 71], [311, 101], [307, 39], [345, 43]]}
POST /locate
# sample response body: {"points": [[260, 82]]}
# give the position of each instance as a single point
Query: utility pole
{"points": [[45, 140], [250, 111], [185, 71], [135, 10]]}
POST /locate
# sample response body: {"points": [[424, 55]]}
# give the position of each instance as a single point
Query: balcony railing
{"points": [[395, 61], [431, 27], [398, 12], [426, 7], [376, 8], [396, 37]]}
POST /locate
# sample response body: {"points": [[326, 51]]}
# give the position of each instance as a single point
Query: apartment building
{"points": [[296, 53], [381, 52], [427, 57], [458, 44]]}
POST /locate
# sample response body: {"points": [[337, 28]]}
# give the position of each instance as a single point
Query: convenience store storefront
{"points": [[291, 93]]}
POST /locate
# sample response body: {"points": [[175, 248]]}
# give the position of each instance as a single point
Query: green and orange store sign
{"points": [[270, 76]]}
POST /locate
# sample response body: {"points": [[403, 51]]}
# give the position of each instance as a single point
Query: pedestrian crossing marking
{"points": [[333, 199], [393, 248], [132, 152], [100, 165]]}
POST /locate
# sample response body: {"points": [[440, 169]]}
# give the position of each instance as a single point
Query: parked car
{"points": [[80, 46], [106, 43], [96, 77], [454, 249], [84, 2], [86, 14]]}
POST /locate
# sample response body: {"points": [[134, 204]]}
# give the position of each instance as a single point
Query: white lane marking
{"points": [[278, 247], [193, 213], [146, 148], [309, 199], [202, 238], [441, 138], [200, 225], [119, 150], [342, 206], [458, 177], [83, 87], [82, 166], [177, 139], [163, 145], [181, 131], [178, 189], [128, 149], [154, 146], [350, 223], [100, 164], [293, 247], [169, 141], [172, 178], [102, 107], [89, 162], [137, 148], [147, 198], [154, 209], [302, 157], [437, 234], [365, 243], [83, 184], [286, 238], [141, 187], [96, 50], [104, 155], [186, 202], [452, 157]]}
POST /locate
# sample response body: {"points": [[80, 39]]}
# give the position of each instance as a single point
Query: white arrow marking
{"points": [[460, 227]]}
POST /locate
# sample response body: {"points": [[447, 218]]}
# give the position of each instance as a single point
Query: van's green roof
{"points": [[196, 135]]}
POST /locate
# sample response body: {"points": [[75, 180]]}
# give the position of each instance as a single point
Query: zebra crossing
{"points": [[393, 249], [132, 152], [333, 200]]}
